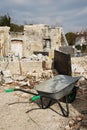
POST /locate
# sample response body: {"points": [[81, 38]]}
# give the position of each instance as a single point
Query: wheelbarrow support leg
{"points": [[43, 106], [64, 112]]}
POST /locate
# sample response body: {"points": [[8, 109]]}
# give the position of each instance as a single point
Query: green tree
{"points": [[5, 20], [71, 37], [16, 28]]}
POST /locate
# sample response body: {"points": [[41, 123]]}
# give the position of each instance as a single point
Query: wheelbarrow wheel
{"points": [[70, 97]]}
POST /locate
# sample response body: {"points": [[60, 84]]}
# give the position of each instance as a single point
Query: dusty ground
{"points": [[13, 116]]}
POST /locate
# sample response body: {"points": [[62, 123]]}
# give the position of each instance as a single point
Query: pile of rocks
{"points": [[30, 79], [79, 66], [74, 123], [38, 57], [82, 91]]}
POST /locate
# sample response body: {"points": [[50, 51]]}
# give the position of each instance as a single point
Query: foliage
{"points": [[5, 20], [83, 48], [16, 28], [71, 37]]}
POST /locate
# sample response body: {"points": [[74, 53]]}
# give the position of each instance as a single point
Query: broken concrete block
{"points": [[40, 57], [47, 63], [23, 83], [7, 73], [19, 77], [71, 123], [17, 87], [7, 80], [67, 128]]}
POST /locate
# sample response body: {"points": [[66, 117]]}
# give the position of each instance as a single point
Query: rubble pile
{"points": [[79, 66], [46, 60], [7, 76], [74, 123], [30, 79], [84, 121], [82, 91], [31, 63], [38, 57]]}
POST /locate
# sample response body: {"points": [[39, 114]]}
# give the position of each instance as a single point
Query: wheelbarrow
{"points": [[54, 89]]}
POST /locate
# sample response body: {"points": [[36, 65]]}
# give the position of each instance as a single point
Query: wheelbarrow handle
{"points": [[18, 89], [35, 97]]}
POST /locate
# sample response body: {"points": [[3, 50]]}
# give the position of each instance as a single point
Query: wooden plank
{"points": [[62, 63]]}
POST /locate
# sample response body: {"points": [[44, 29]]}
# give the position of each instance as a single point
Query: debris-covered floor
{"points": [[14, 113], [15, 106]]}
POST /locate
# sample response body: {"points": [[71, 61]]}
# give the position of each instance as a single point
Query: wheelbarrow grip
{"points": [[9, 90], [35, 97]]}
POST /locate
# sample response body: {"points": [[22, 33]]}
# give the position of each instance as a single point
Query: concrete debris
{"points": [[7, 73], [84, 121], [82, 91], [82, 79], [77, 69], [74, 123], [47, 63], [38, 57], [18, 77], [79, 66], [71, 122], [17, 87], [30, 79], [39, 77], [7, 80], [6, 77], [41, 57], [23, 83], [67, 128]]}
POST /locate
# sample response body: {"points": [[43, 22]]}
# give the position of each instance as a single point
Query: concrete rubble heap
{"points": [[33, 74], [79, 66]]}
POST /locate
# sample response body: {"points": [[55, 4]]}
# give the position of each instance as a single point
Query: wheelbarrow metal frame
{"points": [[64, 112], [58, 87]]}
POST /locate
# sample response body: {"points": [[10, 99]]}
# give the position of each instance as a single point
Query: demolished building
{"points": [[37, 37], [23, 45]]}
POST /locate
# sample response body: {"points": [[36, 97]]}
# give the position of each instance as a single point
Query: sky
{"points": [[70, 14]]}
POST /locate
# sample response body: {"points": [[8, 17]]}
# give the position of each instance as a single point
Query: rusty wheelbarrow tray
{"points": [[54, 89]]}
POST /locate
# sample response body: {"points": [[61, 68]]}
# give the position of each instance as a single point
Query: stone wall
{"points": [[4, 41], [14, 67], [37, 37]]}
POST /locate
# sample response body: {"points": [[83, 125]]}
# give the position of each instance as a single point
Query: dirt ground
{"points": [[14, 113]]}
